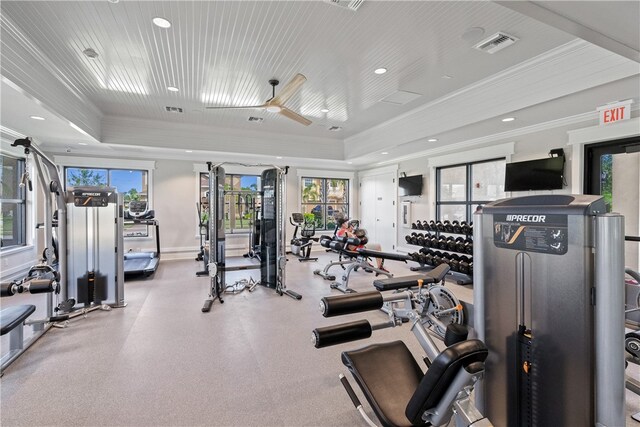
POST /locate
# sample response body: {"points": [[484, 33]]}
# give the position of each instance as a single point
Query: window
{"points": [[324, 198], [461, 188], [13, 200], [133, 184], [241, 200]]}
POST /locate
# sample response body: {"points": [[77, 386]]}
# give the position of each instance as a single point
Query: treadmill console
{"points": [[139, 210]]}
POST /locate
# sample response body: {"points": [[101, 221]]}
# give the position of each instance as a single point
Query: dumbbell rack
{"points": [[459, 277]]}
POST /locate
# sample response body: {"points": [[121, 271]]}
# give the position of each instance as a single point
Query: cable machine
{"points": [[272, 233]]}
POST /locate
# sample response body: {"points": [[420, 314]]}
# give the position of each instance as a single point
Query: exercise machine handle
{"points": [[342, 333], [338, 305], [39, 286]]}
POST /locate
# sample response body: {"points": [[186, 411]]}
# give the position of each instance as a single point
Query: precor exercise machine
{"points": [[549, 306], [272, 233]]}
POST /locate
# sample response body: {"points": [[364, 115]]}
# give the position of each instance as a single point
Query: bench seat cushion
{"points": [[10, 317]]}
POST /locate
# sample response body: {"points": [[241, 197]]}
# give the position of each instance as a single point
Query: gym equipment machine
{"points": [[301, 246], [393, 383], [272, 233], [144, 262], [549, 307], [96, 245]]}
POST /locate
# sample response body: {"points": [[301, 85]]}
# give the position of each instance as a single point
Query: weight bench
{"points": [[395, 283], [361, 261], [339, 245], [11, 320], [400, 394]]}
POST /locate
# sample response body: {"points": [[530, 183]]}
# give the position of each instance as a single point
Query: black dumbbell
{"points": [[448, 227], [442, 243], [439, 226], [414, 225], [427, 259], [451, 244], [470, 269], [468, 246], [414, 238], [471, 227], [455, 262], [464, 227], [463, 266], [408, 238], [456, 226], [420, 239], [460, 244]]}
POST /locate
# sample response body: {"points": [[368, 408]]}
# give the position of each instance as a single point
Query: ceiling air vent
{"points": [[496, 42], [173, 109], [255, 119], [335, 128], [346, 4]]}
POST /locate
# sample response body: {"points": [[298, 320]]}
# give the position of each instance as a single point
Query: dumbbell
{"points": [[437, 258], [460, 244], [471, 227], [442, 243], [448, 227], [468, 246], [464, 227], [446, 259], [408, 238], [451, 244], [463, 266], [414, 225], [439, 226], [470, 269], [455, 262], [456, 227], [428, 259], [420, 239], [415, 256]]}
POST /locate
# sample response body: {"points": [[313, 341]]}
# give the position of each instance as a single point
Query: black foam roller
{"points": [[40, 286], [338, 305], [344, 332]]}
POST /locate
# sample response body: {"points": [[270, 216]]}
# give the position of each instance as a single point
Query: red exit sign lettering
{"points": [[613, 113]]}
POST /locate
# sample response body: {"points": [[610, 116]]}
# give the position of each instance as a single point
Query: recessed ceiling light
{"points": [[447, 77], [37, 117], [349, 163], [324, 110], [82, 143], [90, 53], [279, 157], [161, 22], [188, 151], [381, 70], [508, 119], [385, 152], [432, 139], [172, 89]]}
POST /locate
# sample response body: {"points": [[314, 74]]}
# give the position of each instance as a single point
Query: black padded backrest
{"points": [[441, 373], [11, 317], [387, 374]]}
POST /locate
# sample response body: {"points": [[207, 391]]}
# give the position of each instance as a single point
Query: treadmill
{"points": [[142, 263]]}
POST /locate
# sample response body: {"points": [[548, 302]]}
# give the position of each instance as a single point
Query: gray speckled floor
{"points": [[161, 361]]}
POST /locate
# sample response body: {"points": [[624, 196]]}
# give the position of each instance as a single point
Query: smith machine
{"points": [[273, 257]]}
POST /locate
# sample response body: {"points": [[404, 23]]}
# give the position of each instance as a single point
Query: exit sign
{"points": [[615, 112]]}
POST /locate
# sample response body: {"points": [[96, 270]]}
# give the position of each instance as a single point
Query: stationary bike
{"points": [[301, 246]]}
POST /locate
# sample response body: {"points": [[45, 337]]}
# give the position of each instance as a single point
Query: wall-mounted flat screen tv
{"points": [[541, 174], [410, 185]]}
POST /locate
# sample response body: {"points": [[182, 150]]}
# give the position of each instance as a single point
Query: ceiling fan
{"points": [[275, 104]]}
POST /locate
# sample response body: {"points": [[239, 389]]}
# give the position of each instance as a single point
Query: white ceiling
{"points": [[224, 53]]}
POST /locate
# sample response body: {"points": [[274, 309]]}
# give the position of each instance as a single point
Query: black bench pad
{"points": [[405, 282], [11, 317], [384, 255], [388, 375]]}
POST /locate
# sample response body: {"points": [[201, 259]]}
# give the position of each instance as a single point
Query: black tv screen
{"points": [[541, 174], [410, 185]]}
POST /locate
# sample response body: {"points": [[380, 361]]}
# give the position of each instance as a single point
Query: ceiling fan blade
{"points": [[294, 116], [247, 107], [289, 89]]}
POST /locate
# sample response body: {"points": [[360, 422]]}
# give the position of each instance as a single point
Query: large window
{"points": [[133, 184], [241, 200], [324, 198], [13, 200], [461, 188]]}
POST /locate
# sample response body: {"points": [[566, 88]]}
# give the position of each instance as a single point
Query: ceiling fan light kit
{"points": [[276, 103]]}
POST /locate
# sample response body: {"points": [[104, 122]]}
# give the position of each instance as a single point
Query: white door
{"points": [[378, 209], [386, 211]]}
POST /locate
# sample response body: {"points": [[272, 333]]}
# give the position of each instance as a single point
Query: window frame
{"points": [[21, 240], [324, 203], [232, 229], [469, 202]]}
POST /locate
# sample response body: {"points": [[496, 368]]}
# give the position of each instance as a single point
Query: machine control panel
{"points": [[534, 233], [84, 198]]}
